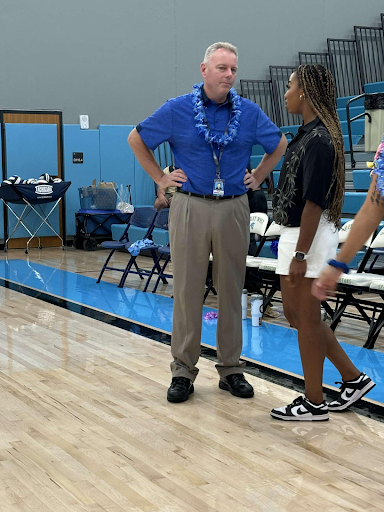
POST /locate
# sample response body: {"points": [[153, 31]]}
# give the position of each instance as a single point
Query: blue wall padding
{"points": [[144, 186], [31, 151], [361, 179], [375, 87], [81, 175], [117, 160], [341, 102], [353, 201]]}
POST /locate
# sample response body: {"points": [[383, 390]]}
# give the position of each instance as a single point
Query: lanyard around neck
{"points": [[216, 159]]}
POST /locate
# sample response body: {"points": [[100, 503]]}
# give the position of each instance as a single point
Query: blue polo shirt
{"points": [[174, 122]]}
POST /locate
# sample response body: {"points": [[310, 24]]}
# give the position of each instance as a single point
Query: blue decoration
{"points": [[378, 168], [274, 247], [201, 121], [211, 315], [136, 247]]}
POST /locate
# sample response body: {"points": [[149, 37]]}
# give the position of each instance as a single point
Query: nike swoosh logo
{"points": [[300, 411], [349, 395]]}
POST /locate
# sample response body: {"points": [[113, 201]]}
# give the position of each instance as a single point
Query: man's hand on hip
{"points": [[174, 179], [251, 181]]}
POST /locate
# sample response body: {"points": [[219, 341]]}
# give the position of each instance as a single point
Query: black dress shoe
{"points": [[179, 390], [236, 385]]}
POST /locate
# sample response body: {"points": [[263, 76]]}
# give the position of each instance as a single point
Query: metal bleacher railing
{"points": [[353, 62], [260, 92], [314, 58], [279, 78], [370, 52], [345, 66]]}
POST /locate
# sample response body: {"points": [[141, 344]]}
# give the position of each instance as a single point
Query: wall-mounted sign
{"points": [[77, 158]]}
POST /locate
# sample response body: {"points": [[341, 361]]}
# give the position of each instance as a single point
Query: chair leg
{"points": [[161, 272], [151, 274], [105, 265], [138, 270], [126, 271], [338, 314], [158, 266], [373, 335], [373, 263], [206, 295]]}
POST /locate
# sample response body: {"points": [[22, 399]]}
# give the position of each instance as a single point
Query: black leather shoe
{"points": [[179, 390], [236, 385]]}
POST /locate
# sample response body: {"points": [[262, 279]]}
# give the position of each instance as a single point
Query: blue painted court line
{"points": [[270, 344]]}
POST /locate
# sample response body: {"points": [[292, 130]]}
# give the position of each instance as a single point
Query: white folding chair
{"points": [[259, 226]]}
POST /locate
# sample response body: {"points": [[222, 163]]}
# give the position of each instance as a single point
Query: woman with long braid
{"points": [[307, 205]]}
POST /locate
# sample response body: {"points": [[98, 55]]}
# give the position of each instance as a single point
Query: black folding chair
{"points": [[161, 222], [142, 217], [152, 249]]}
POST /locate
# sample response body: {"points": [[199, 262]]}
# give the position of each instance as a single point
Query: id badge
{"points": [[218, 187]]}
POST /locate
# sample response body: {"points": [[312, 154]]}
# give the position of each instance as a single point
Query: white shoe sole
{"points": [[361, 393], [323, 417]]}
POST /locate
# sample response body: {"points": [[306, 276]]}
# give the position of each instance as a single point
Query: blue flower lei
{"points": [[378, 168], [201, 121]]}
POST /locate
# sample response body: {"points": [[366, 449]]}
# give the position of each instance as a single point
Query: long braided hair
{"points": [[318, 86]]}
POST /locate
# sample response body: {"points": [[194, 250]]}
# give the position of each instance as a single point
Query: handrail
{"points": [[349, 120]]}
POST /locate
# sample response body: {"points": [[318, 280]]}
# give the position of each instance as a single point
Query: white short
{"points": [[323, 248]]}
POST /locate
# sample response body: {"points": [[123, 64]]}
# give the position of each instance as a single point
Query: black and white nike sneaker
{"points": [[350, 392], [301, 409]]}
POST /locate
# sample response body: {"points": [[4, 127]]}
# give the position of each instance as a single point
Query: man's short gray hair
{"points": [[217, 46]]}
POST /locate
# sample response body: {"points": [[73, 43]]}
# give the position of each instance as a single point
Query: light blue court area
{"points": [[270, 345]]}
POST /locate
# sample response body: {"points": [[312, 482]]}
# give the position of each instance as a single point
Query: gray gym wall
{"points": [[118, 60]]}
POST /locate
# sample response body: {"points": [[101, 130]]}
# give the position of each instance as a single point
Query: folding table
{"points": [[33, 196]]}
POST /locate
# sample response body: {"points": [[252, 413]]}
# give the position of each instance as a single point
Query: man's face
{"points": [[220, 72]]}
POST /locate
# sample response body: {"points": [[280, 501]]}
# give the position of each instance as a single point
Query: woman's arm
{"points": [[366, 221]]}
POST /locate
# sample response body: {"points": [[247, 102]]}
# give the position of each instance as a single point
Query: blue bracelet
{"points": [[340, 265]]}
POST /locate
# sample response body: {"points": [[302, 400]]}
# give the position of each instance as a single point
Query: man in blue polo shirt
{"points": [[211, 132]]}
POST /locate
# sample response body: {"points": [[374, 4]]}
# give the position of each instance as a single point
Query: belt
{"points": [[207, 196]]}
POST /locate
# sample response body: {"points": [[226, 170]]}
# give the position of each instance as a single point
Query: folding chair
{"points": [[161, 222], [367, 282], [349, 284], [272, 233], [375, 248], [377, 287], [143, 222], [259, 225], [344, 231], [209, 280], [142, 217]]}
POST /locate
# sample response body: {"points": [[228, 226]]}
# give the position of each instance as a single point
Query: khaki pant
{"points": [[197, 227]]}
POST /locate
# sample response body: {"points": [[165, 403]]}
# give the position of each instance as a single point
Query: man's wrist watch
{"points": [[300, 256]]}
